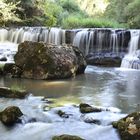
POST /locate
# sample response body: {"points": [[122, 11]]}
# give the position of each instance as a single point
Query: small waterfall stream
{"points": [[100, 42], [132, 59], [18, 35]]}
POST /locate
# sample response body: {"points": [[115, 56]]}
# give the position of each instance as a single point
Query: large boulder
{"points": [[41, 61], [66, 137], [10, 115], [129, 127], [12, 92]]}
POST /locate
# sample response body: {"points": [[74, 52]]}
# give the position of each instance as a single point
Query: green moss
{"points": [[17, 88], [2, 67]]}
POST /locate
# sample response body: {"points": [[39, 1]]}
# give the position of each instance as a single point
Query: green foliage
{"points": [[16, 88], [132, 12], [69, 5], [51, 12], [124, 11], [80, 22], [7, 12], [68, 13]]}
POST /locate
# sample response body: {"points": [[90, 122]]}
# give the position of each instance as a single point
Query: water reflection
{"points": [[98, 86]]}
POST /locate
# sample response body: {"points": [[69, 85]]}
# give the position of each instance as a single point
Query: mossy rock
{"points": [[129, 127], [37, 60], [12, 93], [85, 108], [66, 137], [10, 115]]}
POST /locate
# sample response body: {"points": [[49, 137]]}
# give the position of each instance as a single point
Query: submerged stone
{"points": [[104, 61], [91, 120], [129, 127], [85, 108], [3, 59], [66, 137], [62, 114], [10, 115], [40, 61], [12, 93]]}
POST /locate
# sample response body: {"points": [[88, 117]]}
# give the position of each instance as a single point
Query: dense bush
{"points": [[68, 13], [7, 12], [124, 11], [80, 22]]}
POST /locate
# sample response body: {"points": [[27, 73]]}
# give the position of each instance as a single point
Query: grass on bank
{"points": [[80, 22]]}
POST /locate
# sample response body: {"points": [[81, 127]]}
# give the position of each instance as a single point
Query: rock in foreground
{"points": [[129, 127], [40, 61], [66, 137], [10, 115], [12, 93]]}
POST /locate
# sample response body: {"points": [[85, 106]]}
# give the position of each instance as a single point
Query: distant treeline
{"points": [[70, 13]]}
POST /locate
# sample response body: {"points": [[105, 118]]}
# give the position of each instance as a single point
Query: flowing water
{"points": [[113, 89], [109, 88], [132, 59]]}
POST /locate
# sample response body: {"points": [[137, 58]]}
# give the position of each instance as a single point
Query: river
{"points": [[115, 89]]}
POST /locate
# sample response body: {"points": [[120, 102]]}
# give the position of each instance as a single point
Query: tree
{"points": [[132, 13], [124, 11], [7, 12], [115, 10]]}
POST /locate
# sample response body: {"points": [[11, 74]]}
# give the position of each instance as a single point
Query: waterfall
{"points": [[18, 35], [3, 35], [114, 42], [132, 59], [101, 41], [94, 42]]}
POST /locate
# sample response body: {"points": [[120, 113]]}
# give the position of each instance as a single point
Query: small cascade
{"points": [[102, 41], [114, 42], [56, 36], [18, 35], [132, 59], [3, 35], [81, 40]]}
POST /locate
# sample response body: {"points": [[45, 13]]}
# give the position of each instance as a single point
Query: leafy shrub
{"points": [[82, 22]]}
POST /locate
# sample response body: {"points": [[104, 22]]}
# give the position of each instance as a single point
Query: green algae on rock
{"points": [[85, 108], [10, 115], [12, 93], [129, 127]]}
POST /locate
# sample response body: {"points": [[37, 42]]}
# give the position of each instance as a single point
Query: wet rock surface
{"points": [[85, 108], [40, 61], [66, 137], [12, 93], [62, 114], [10, 115], [104, 60], [129, 127]]}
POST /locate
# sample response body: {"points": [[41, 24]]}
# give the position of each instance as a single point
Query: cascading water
{"points": [[94, 43], [10, 38], [132, 59], [16, 35], [100, 40]]}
